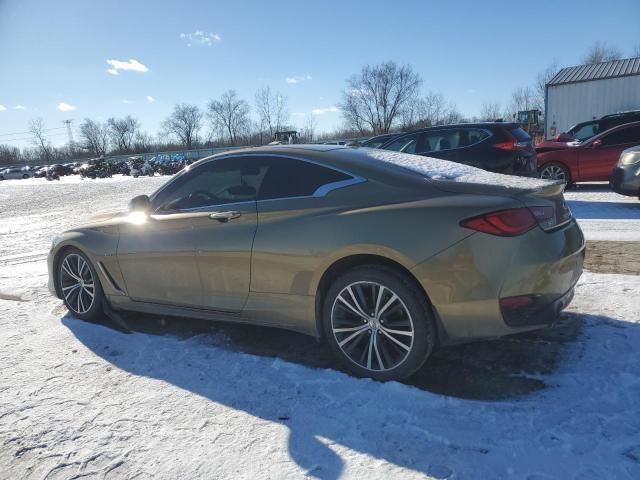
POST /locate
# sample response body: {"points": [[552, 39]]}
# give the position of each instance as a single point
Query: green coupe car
{"points": [[385, 256]]}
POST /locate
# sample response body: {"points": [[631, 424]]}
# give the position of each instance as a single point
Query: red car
{"points": [[591, 160]]}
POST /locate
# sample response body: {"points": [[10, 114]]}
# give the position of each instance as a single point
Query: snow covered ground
{"points": [[605, 215], [80, 400]]}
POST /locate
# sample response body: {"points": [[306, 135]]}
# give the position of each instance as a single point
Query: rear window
{"points": [[520, 135]]}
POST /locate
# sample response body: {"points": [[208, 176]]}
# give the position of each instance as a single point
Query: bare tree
{"points": [[309, 129], [434, 108], [230, 114], [452, 114], [95, 137], [542, 79], [272, 110], [523, 98], [375, 97], [490, 112], [636, 50], [601, 52], [143, 142], [122, 132], [40, 140], [185, 123], [9, 155]]}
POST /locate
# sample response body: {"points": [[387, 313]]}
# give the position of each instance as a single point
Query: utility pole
{"points": [[70, 133]]}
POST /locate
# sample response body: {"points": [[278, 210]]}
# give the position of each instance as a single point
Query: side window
{"points": [[405, 144], [471, 136], [441, 140], [227, 180], [626, 135], [585, 132], [287, 177]]}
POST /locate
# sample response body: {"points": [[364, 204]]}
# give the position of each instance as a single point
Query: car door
{"points": [[219, 197], [598, 157], [225, 230]]}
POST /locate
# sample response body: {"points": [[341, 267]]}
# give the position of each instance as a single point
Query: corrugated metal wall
{"points": [[578, 102]]}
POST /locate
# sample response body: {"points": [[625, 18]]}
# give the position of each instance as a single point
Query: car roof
{"points": [[613, 129], [488, 125]]}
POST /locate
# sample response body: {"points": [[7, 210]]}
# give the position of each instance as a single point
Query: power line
{"points": [[31, 138], [22, 133]]}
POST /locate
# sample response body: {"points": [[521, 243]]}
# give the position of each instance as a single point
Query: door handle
{"points": [[224, 217]]}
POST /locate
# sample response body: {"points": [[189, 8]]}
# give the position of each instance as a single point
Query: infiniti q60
{"points": [[385, 256]]}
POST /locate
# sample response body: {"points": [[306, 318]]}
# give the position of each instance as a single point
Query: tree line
{"points": [[378, 99]]}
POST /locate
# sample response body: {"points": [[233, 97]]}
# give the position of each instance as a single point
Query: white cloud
{"points": [[298, 79], [126, 101], [150, 99], [20, 107], [65, 107], [206, 39], [132, 65], [322, 111], [2, 108]]}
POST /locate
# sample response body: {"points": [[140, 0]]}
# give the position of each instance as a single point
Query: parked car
{"points": [[494, 146], [585, 130], [379, 140], [13, 173], [625, 179], [589, 161], [385, 255], [48, 172]]}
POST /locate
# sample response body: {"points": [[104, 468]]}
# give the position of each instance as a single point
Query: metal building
{"points": [[587, 92]]}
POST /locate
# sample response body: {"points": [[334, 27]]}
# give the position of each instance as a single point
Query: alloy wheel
{"points": [[372, 326], [553, 172], [77, 283]]}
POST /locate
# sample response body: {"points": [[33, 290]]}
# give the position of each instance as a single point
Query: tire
{"points": [[555, 171], [371, 346], [25, 176], [72, 266]]}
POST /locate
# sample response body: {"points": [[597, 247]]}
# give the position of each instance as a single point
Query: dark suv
{"points": [[585, 130], [494, 146]]}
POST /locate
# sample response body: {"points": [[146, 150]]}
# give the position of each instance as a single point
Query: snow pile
{"points": [[437, 169]]}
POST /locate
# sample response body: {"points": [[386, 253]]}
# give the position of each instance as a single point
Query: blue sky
{"points": [[54, 52]]}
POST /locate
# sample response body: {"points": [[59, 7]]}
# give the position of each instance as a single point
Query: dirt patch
{"points": [[613, 257]]}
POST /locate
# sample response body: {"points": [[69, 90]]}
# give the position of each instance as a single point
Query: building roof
{"points": [[597, 71]]}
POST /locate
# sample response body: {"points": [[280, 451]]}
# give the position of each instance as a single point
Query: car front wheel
{"points": [[79, 285], [555, 171], [378, 323]]}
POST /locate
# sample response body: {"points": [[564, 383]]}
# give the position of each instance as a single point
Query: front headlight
{"points": [[630, 158]]}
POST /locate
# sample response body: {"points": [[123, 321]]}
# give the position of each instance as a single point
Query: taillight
{"points": [[510, 222], [513, 146]]}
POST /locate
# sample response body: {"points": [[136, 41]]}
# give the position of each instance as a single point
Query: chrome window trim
{"points": [[321, 191]]}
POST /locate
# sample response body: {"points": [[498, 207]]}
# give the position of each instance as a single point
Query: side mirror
{"points": [[141, 203]]}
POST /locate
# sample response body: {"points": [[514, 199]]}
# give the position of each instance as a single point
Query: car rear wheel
{"points": [[79, 285], [378, 323], [25, 176], [555, 171]]}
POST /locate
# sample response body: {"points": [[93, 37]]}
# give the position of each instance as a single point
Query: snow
{"points": [[603, 214], [83, 400], [438, 169]]}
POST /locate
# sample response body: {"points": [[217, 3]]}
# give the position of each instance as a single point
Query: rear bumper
{"points": [[466, 282], [626, 181]]}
